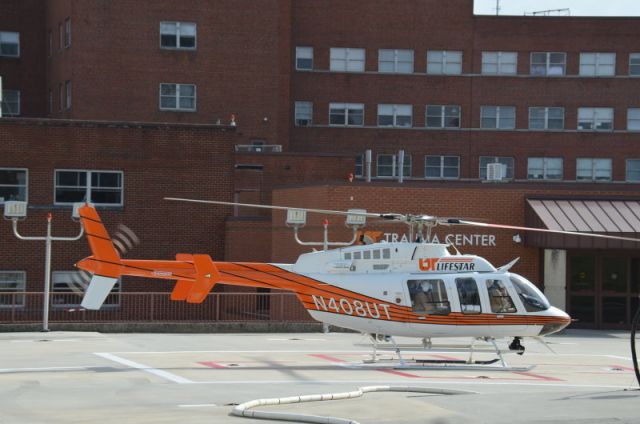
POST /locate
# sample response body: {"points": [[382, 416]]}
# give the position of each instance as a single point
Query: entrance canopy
{"points": [[618, 217]]}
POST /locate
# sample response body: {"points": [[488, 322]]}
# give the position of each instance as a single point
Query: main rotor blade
{"points": [[540, 230], [388, 216]]}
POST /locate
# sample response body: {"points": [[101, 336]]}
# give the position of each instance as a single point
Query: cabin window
{"points": [[356, 255], [386, 253], [469, 296], [366, 254], [429, 297], [376, 254], [499, 299], [347, 256]]}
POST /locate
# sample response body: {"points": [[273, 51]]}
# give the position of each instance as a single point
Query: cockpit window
{"points": [[499, 299], [532, 298]]}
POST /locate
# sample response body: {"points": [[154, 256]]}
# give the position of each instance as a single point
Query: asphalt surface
{"points": [[65, 377]]}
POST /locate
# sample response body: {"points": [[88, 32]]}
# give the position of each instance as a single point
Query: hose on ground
{"points": [[244, 409]]}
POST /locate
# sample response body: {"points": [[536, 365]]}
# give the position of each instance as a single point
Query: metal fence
{"points": [[26, 307]]}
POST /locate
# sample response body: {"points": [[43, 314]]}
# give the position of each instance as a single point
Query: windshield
{"points": [[532, 298]]}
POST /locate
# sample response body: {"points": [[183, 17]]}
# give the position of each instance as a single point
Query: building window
{"points": [[346, 114], [98, 187], [388, 166], [633, 119], [486, 160], [395, 61], [597, 64], [544, 169], [442, 167], [179, 97], [546, 118], [634, 64], [347, 60], [548, 64], [595, 118], [13, 184], [12, 288], [10, 103], [303, 114], [633, 170], [395, 115], [9, 44], [69, 288], [439, 116], [67, 89], [178, 35], [441, 62], [588, 169], [304, 58], [499, 63], [359, 171], [498, 117], [67, 33]]}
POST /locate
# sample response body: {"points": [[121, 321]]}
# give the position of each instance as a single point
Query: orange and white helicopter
{"points": [[411, 289]]}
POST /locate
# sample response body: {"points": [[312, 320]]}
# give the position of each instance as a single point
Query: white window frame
{"points": [[25, 186], [441, 167], [346, 108], [546, 118], [396, 62], [67, 90], [4, 105], [505, 160], [22, 286], [549, 67], [7, 35], [629, 171], [600, 67], [546, 170], [633, 119], [178, 26], [592, 165], [395, 112], [346, 59], [442, 115], [498, 118], [178, 97], [395, 171], [67, 33], [443, 64], [304, 53], [502, 61], [303, 111], [595, 117], [634, 64], [59, 298], [87, 187]]}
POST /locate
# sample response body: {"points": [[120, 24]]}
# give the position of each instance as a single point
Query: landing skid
{"points": [[387, 343]]}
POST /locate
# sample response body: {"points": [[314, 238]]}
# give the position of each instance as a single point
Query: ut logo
{"points": [[428, 264]]}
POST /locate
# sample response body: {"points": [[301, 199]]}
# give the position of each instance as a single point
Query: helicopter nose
{"points": [[562, 319]]}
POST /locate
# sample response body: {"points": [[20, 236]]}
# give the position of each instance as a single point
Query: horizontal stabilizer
{"points": [[97, 292]]}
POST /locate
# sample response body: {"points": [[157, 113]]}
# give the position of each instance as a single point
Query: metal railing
{"points": [[26, 307]]}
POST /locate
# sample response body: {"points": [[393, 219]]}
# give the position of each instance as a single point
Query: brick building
{"points": [[481, 110]]}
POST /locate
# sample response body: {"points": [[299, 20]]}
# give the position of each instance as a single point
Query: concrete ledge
{"points": [[177, 327]]}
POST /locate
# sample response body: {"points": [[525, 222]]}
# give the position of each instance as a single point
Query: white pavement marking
{"points": [[243, 351], [160, 373], [204, 405], [85, 367], [45, 340], [297, 340]]}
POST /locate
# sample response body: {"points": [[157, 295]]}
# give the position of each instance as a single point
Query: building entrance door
{"points": [[602, 288]]}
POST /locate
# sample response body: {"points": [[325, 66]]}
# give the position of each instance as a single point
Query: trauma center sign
{"points": [[483, 240]]}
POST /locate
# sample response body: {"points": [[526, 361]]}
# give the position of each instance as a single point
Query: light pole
{"points": [[16, 211]]}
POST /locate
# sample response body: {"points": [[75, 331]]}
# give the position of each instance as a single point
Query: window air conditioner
{"points": [[496, 171]]}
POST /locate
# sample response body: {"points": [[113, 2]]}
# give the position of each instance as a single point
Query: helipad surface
{"points": [[64, 377]]}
